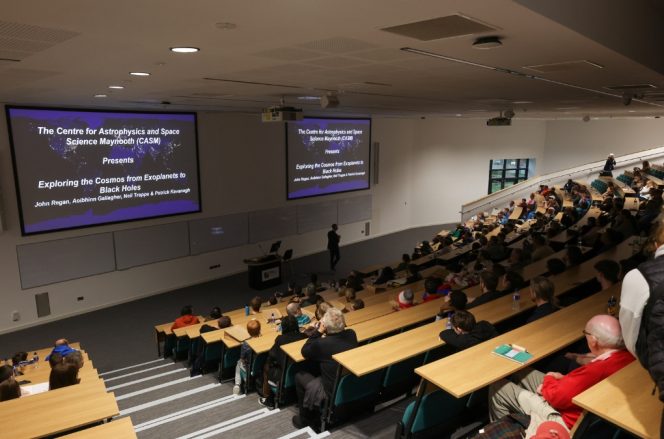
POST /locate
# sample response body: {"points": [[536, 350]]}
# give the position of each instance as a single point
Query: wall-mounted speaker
{"points": [[43, 305], [376, 161]]}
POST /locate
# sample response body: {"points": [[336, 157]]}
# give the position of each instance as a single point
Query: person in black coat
{"points": [[610, 164], [333, 246], [314, 384], [290, 332], [466, 332], [488, 285]]}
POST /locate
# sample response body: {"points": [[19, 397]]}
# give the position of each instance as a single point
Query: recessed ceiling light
{"points": [[225, 25], [522, 102], [309, 98], [101, 95], [185, 49], [139, 73], [631, 111], [459, 115], [116, 87]]}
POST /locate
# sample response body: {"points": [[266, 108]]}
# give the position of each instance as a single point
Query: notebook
{"points": [[513, 352]]}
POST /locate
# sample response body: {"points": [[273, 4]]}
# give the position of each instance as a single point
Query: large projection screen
{"points": [[79, 168], [327, 156]]}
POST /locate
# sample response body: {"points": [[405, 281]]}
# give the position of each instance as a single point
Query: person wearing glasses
{"points": [[548, 397]]}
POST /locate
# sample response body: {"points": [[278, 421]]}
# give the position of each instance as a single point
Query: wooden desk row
{"points": [[477, 367], [58, 411]]}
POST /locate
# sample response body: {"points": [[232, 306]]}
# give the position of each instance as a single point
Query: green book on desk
{"points": [[513, 352]]}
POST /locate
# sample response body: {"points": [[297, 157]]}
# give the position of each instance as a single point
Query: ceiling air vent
{"points": [[441, 27], [565, 66]]}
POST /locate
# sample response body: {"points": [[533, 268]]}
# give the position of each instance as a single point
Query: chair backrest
{"points": [[403, 371], [436, 408], [352, 388]]}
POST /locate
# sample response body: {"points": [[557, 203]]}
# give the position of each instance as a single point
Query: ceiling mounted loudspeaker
{"points": [[329, 101], [485, 43]]}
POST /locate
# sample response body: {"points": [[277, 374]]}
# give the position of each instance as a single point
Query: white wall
{"points": [[242, 166], [451, 162], [428, 168], [574, 142]]}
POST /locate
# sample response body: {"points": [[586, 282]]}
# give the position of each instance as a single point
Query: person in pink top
{"points": [[548, 397]]}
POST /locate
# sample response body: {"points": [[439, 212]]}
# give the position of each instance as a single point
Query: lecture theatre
{"points": [[344, 219]]}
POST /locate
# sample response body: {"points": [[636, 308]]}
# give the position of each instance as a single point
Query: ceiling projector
{"points": [[499, 122], [281, 114], [504, 120]]}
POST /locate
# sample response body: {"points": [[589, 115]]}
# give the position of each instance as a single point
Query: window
{"points": [[508, 172]]}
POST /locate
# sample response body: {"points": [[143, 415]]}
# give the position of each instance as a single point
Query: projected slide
{"points": [[80, 168], [326, 156]]}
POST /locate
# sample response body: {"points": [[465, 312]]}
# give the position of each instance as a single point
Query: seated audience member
{"points": [[61, 347], [555, 266], [311, 297], [466, 332], [75, 358], [431, 291], [413, 273], [386, 274], [19, 357], [549, 396], [290, 332], [357, 304], [255, 305], [198, 359], [254, 330], [54, 359], [488, 286], [510, 282], [293, 309], [540, 248], [6, 372], [542, 294], [573, 256], [215, 313], [624, 223], [314, 383], [518, 259], [355, 281], [63, 375], [349, 294], [453, 302], [405, 262], [425, 248], [9, 389], [187, 318], [607, 273], [405, 299]]}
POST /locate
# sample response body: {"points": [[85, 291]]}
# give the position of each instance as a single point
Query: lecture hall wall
{"points": [[427, 169]]}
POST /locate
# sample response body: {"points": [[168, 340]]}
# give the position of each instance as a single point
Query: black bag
{"points": [[511, 426]]}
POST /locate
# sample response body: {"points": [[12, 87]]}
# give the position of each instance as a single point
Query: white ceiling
{"points": [[73, 49]]}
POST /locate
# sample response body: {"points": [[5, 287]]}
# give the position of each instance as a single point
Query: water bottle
{"points": [[516, 300], [611, 306], [246, 310], [35, 359], [448, 324], [272, 319]]}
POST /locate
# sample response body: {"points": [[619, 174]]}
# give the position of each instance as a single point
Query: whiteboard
{"points": [[265, 225], [212, 234], [147, 245], [356, 209], [316, 216], [49, 262]]}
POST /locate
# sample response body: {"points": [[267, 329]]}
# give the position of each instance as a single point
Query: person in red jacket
{"points": [[548, 397], [186, 318]]}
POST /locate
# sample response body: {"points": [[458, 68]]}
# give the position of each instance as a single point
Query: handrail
{"points": [[525, 187]]}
